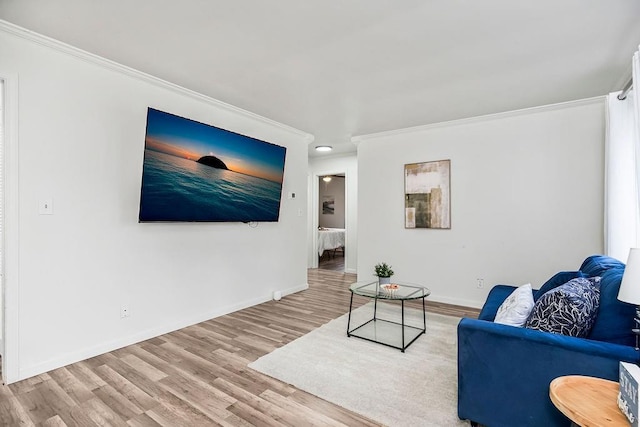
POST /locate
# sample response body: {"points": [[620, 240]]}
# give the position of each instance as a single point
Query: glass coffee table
{"points": [[384, 331]]}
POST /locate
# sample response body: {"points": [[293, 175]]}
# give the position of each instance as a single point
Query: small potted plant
{"points": [[384, 273]]}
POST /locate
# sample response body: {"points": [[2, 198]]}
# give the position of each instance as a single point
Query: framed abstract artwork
{"points": [[328, 205], [427, 195]]}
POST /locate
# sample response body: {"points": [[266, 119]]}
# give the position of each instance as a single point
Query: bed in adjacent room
{"points": [[330, 239]]}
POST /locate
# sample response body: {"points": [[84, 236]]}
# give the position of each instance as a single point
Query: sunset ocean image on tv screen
{"points": [[196, 172]]}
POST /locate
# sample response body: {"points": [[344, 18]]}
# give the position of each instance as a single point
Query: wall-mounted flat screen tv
{"points": [[197, 172]]}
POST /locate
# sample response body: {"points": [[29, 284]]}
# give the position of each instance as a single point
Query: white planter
{"points": [[384, 280]]}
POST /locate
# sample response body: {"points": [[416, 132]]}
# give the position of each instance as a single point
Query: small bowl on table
{"points": [[390, 289]]}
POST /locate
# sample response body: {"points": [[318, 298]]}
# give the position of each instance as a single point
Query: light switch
{"points": [[45, 207]]}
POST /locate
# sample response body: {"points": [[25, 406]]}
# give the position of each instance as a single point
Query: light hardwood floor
{"points": [[197, 376], [331, 262]]}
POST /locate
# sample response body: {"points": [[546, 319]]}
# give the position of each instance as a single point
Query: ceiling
{"points": [[338, 69]]}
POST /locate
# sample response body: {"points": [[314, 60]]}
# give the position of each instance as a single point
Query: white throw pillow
{"points": [[516, 308]]}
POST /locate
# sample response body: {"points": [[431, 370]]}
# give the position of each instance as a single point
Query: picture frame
{"points": [[427, 195], [328, 205]]}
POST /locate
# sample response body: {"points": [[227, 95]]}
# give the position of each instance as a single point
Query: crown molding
{"points": [[479, 119], [67, 49]]}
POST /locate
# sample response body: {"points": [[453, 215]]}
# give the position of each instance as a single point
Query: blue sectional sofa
{"points": [[504, 371]]}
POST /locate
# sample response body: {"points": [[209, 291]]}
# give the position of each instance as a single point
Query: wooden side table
{"points": [[587, 401]]}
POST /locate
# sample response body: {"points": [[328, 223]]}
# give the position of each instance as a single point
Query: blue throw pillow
{"points": [[570, 309], [558, 279]]}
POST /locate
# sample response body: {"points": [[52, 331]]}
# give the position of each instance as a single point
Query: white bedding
{"points": [[330, 238]]}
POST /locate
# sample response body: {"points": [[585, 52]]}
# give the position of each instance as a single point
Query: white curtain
{"points": [[622, 170], [636, 134]]}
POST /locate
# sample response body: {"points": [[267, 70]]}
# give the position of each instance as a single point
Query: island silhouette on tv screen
{"points": [[197, 172]]}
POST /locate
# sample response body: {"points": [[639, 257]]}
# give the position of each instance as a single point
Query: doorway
{"points": [[331, 221], [346, 167]]}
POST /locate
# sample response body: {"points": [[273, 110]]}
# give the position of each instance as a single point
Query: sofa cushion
{"points": [[558, 279], [596, 265], [615, 318], [569, 309], [516, 308]]}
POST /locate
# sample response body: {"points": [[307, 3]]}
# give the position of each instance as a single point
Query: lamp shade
{"points": [[630, 286]]}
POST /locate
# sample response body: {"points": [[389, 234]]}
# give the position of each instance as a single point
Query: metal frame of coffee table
{"points": [[421, 293]]}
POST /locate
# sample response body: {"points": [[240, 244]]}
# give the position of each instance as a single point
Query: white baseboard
{"points": [[456, 301], [295, 289], [67, 359], [40, 368]]}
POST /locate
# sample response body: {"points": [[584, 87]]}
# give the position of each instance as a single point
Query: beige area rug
{"points": [[415, 388]]}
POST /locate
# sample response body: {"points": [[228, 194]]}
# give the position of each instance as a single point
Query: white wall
{"points": [[81, 140], [335, 190], [1, 215], [527, 199], [348, 165]]}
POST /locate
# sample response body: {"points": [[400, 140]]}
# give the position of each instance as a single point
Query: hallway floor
{"points": [[329, 261]]}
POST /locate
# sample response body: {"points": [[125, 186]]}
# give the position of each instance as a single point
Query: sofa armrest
{"points": [[504, 371], [496, 297]]}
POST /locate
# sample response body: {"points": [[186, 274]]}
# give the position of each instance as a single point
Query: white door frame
{"points": [[315, 215], [11, 247]]}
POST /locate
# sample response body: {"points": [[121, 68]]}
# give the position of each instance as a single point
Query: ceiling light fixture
{"points": [[323, 148], [327, 179]]}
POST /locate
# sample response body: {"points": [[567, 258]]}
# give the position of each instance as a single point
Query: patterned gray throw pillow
{"points": [[569, 309]]}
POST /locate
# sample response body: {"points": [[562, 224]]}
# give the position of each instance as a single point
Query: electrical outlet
{"points": [[124, 311], [45, 207], [480, 283]]}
